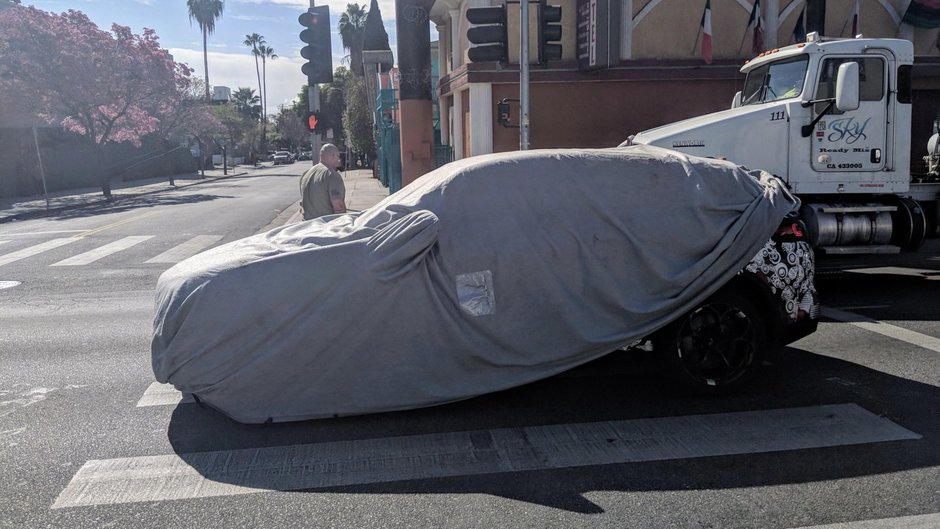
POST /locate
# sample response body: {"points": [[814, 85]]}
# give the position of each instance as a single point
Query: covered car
{"points": [[487, 273]]}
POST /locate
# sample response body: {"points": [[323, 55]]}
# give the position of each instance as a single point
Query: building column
{"points": [[626, 30], [456, 57], [416, 108], [456, 134], [444, 109], [772, 18], [481, 118]]}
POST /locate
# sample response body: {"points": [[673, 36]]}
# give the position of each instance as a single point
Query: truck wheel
{"points": [[715, 347]]}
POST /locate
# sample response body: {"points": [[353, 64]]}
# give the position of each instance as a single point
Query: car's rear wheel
{"points": [[717, 346]]}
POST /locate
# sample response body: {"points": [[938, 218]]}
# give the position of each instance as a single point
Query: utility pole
{"points": [[313, 104], [524, 75]]}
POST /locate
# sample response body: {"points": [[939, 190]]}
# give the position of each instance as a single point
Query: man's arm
{"points": [[337, 193], [339, 205]]}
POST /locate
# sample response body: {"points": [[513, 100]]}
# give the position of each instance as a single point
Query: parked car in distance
{"points": [[282, 157], [488, 273], [304, 155]]}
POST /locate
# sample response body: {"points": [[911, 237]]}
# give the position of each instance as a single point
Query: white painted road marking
{"points": [[929, 275], [33, 250], [923, 521], [103, 251], [187, 249], [163, 395], [389, 459], [884, 329]]}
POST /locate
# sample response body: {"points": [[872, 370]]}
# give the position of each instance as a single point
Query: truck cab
{"points": [[831, 118]]}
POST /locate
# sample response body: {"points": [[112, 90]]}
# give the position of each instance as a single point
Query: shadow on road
{"points": [[135, 202], [621, 386]]}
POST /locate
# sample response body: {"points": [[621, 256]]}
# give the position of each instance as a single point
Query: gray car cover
{"points": [[487, 273]]}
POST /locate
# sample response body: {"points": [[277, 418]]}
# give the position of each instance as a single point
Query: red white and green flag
{"points": [[923, 14], [707, 32]]}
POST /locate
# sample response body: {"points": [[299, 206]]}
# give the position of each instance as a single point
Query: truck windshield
{"points": [[777, 80]]}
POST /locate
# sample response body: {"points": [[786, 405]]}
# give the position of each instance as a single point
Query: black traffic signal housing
{"points": [[318, 51], [488, 33], [549, 32]]}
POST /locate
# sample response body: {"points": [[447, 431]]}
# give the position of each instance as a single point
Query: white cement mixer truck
{"points": [[832, 118]]}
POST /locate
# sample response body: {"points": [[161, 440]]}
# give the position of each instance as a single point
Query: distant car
{"points": [[488, 273], [304, 155], [282, 157]]}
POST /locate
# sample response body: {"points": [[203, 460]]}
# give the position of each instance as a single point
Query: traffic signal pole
{"points": [[524, 75], [313, 97]]}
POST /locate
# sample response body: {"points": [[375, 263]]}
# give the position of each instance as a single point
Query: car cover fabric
{"points": [[487, 273]]}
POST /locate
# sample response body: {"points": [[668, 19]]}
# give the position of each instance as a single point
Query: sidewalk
{"points": [[362, 192], [20, 208]]}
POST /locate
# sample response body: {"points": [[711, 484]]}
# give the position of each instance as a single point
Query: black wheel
{"points": [[716, 346]]}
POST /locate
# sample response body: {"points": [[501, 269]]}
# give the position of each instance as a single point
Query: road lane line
{"points": [[33, 250], [163, 395], [447, 454], [116, 224], [884, 329], [187, 249], [922, 521], [103, 251]]}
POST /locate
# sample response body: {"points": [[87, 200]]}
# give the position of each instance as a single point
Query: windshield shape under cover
{"points": [[777, 80]]}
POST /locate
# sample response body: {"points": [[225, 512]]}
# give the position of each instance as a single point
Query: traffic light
{"points": [[549, 32], [312, 119], [489, 33], [318, 51]]}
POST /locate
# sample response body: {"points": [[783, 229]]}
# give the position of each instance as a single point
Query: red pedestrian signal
{"points": [[312, 120]]}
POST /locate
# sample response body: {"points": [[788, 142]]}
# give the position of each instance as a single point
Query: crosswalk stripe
{"points": [[884, 329], [103, 251], [447, 454], [187, 249], [922, 521], [33, 250], [163, 395]]}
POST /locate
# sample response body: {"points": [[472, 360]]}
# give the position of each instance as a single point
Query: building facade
{"points": [[630, 65]]}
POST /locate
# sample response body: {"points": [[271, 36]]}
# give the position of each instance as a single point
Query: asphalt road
{"points": [[843, 429]]}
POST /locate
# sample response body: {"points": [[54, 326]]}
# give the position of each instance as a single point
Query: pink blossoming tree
{"points": [[110, 87]]}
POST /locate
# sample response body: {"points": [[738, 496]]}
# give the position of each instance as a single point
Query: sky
{"points": [[230, 61]]}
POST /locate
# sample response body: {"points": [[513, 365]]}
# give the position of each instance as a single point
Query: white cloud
{"points": [[387, 7], [236, 70]]}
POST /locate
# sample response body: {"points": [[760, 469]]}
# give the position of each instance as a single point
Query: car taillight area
{"points": [[787, 264]]}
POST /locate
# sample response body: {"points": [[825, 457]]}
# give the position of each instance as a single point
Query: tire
{"points": [[717, 346]]}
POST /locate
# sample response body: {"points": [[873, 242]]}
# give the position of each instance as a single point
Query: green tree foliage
{"points": [[205, 13], [352, 25], [246, 103], [357, 118]]}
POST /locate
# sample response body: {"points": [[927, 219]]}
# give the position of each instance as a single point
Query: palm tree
{"points": [[352, 25], [266, 52], [254, 41], [247, 104], [205, 13]]}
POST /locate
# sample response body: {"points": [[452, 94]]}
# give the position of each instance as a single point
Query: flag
{"points": [[754, 21], [707, 32], [923, 14], [854, 19], [799, 30]]}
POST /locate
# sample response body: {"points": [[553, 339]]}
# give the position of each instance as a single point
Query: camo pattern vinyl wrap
{"points": [[788, 268]]}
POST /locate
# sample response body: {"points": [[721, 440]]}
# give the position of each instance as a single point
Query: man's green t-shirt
{"points": [[318, 186]]}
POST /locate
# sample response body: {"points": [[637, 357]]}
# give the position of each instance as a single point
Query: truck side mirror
{"points": [[847, 87], [736, 102]]}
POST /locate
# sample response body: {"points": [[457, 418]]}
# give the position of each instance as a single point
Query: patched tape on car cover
{"points": [[475, 293]]}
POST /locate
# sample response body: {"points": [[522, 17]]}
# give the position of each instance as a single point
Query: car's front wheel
{"points": [[717, 346]]}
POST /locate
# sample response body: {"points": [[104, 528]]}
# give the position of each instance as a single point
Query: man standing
{"points": [[321, 188]]}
